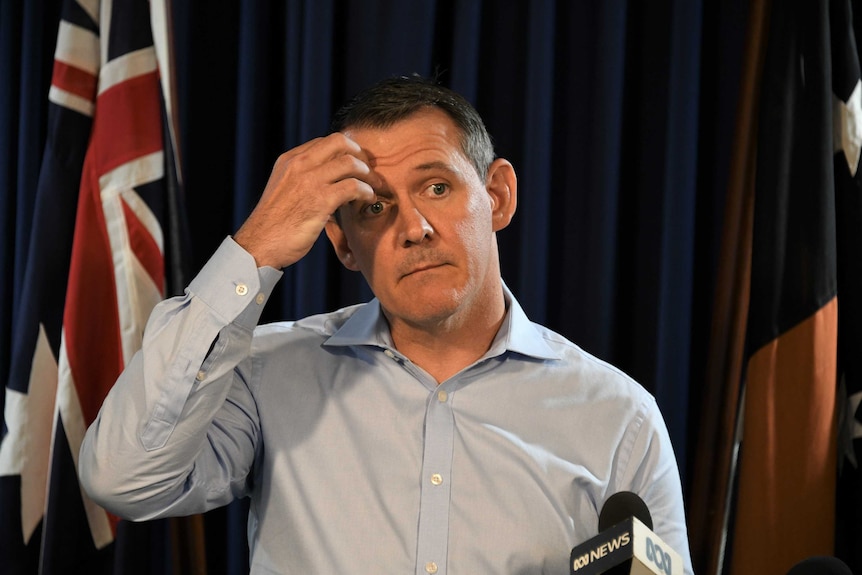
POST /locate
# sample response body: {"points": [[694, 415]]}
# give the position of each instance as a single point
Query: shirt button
{"points": [[431, 567], [201, 375], [436, 479], [260, 299], [388, 353], [442, 396], [241, 289]]}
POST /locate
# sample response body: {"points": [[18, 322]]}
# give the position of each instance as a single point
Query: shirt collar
{"points": [[518, 334], [368, 326]]}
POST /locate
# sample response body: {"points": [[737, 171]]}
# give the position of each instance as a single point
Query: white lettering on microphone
{"points": [[601, 551]]}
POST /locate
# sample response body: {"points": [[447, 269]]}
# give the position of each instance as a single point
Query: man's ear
{"points": [[339, 241], [502, 187]]}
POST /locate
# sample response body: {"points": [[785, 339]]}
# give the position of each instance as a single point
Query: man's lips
{"points": [[422, 268], [422, 261]]}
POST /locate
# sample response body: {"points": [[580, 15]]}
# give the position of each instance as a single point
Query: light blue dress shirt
{"points": [[355, 460]]}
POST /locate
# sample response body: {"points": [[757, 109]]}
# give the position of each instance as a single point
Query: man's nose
{"points": [[413, 227]]}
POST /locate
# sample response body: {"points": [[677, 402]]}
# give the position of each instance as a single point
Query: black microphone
{"points": [[622, 505], [625, 543], [619, 507], [820, 565]]}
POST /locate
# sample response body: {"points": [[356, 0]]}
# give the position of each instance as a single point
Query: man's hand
{"points": [[307, 185]]}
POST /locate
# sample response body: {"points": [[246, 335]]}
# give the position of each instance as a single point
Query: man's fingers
{"points": [[322, 150], [349, 166], [323, 162], [349, 190], [307, 185]]}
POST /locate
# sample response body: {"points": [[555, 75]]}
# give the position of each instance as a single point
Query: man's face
{"points": [[427, 246]]}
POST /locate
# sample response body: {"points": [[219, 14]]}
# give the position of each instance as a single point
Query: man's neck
{"points": [[443, 349]]}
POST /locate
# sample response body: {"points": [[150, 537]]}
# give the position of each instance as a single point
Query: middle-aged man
{"points": [[434, 429]]}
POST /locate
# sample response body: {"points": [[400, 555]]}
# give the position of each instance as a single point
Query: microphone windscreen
{"points": [[622, 505], [821, 565]]}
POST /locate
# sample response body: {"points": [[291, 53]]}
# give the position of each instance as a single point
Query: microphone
{"points": [[622, 505], [619, 507], [626, 543], [820, 565]]}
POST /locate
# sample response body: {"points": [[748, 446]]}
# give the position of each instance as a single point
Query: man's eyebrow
{"points": [[431, 166]]}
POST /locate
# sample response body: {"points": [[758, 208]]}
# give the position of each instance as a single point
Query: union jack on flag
{"points": [[95, 268]]}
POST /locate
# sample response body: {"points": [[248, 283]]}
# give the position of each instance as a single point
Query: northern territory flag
{"points": [[804, 288]]}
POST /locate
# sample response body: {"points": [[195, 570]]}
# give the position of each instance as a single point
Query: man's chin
{"points": [[421, 309]]}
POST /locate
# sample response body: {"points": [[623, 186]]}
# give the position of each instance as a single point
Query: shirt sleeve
{"points": [[653, 474], [178, 432]]}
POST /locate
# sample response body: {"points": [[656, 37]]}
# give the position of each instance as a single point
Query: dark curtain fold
{"points": [[617, 116]]}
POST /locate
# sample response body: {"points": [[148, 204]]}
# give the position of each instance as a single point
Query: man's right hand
{"points": [[306, 186]]}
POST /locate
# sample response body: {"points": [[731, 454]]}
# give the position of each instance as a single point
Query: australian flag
{"points": [[96, 266]]}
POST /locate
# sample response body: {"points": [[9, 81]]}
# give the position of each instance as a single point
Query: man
{"points": [[432, 430]]}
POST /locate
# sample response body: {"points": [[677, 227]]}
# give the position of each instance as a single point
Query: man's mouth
{"points": [[422, 268]]}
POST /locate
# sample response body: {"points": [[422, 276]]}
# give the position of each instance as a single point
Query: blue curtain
{"points": [[616, 114]]}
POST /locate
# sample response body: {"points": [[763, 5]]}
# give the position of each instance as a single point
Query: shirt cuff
{"points": [[232, 285]]}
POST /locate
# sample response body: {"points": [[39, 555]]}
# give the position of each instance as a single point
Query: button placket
{"points": [[435, 492]]}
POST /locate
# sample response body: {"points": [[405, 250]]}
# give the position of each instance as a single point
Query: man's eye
{"points": [[375, 208], [438, 189]]}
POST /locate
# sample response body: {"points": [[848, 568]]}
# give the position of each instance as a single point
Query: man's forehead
{"points": [[425, 141], [422, 152]]}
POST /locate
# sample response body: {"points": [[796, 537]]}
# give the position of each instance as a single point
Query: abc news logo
{"points": [[659, 557], [654, 553], [601, 551]]}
